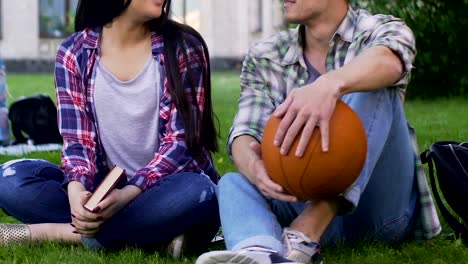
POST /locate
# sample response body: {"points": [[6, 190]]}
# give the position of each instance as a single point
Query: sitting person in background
{"points": [[4, 121], [133, 90]]}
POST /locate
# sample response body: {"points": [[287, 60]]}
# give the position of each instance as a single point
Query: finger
{"points": [[104, 204], [265, 179], [283, 108], [325, 134], [86, 226], [293, 130], [305, 137], [85, 215], [90, 233], [281, 196], [84, 197], [283, 127]]}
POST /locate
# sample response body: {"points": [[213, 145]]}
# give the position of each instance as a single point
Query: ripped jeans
{"points": [[183, 203]]}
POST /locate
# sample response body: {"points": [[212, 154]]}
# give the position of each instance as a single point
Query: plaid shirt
{"points": [[82, 155], [274, 67]]}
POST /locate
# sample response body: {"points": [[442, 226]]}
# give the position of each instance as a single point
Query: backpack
{"points": [[35, 117], [451, 163]]}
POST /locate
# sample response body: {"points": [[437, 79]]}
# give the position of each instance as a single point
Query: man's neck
{"points": [[320, 30]]}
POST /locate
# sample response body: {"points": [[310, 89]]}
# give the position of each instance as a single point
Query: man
{"points": [[335, 53]]}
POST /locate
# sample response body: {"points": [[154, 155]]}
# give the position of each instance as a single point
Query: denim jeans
{"points": [[382, 199], [31, 191]]}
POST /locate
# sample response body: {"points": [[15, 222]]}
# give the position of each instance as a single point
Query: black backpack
{"points": [[450, 182], [34, 118]]}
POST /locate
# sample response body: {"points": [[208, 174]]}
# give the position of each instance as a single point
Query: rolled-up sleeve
{"points": [[398, 37]]}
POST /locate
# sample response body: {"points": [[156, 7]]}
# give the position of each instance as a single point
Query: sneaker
{"points": [[176, 247], [298, 247], [250, 255]]}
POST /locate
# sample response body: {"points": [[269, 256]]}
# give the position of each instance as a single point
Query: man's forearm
{"points": [[243, 155], [375, 68]]}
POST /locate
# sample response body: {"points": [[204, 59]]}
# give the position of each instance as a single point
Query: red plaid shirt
{"points": [[82, 155]]}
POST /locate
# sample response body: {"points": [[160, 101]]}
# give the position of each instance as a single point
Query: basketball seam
{"points": [[307, 165]]}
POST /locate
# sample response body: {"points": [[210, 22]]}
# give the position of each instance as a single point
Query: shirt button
{"points": [[331, 44], [301, 82]]}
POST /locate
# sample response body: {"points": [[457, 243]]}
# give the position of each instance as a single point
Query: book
{"points": [[107, 184]]}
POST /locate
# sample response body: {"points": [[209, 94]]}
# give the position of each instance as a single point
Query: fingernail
{"points": [[73, 225], [276, 143], [283, 152], [298, 154], [88, 194], [97, 209]]}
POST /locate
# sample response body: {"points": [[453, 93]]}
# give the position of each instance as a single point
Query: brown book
{"points": [[107, 184]]}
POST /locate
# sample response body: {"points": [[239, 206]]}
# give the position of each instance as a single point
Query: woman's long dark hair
{"points": [[200, 130]]}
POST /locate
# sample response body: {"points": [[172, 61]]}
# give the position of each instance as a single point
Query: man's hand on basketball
{"points": [[263, 182], [307, 107]]}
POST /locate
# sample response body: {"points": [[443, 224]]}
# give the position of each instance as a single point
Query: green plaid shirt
{"points": [[274, 67]]}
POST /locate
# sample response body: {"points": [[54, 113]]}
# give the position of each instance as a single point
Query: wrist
{"points": [[131, 191], [338, 85], [75, 186]]}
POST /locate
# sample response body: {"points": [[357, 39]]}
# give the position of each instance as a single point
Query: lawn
{"points": [[434, 121]]}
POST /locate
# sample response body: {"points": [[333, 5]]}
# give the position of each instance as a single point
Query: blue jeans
{"points": [[30, 191], [383, 198]]}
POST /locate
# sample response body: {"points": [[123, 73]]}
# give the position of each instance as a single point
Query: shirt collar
{"points": [[347, 26], [345, 31]]}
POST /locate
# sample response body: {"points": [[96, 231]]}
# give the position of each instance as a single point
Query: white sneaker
{"points": [[298, 247], [250, 255]]}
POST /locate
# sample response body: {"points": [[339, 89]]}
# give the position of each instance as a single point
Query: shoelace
{"points": [[296, 237]]}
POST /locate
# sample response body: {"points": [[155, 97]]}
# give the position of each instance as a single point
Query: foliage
{"points": [[441, 68]]}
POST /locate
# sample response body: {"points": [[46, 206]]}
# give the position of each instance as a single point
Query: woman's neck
{"points": [[124, 32]]}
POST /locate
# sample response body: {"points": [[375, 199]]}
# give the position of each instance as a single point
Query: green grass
{"points": [[434, 121]]}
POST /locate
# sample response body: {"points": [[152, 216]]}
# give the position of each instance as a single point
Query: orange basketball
{"points": [[318, 174]]}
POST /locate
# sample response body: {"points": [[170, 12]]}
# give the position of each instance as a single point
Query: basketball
{"points": [[318, 174]]}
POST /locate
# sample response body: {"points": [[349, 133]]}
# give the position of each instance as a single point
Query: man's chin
{"points": [[292, 21]]}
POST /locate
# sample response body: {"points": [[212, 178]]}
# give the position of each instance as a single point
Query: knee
{"points": [[378, 100], [12, 168], [231, 182], [24, 170]]}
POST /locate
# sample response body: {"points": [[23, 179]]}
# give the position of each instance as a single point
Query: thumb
{"points": [[84, 197], [256, 147]]}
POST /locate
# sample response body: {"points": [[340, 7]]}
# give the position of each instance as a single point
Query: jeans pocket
{"points": [[395, 229]]}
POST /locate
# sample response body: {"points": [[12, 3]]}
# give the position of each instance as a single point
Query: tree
{"points": [[441, 66]]}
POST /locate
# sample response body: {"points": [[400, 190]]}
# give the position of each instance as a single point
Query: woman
{"points": [[133, 90]]}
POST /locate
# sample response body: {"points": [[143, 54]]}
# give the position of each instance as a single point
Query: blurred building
{"points": [[31, 30]]}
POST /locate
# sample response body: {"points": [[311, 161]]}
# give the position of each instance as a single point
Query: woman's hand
{"points": [[85, 222], [116, 200]]}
